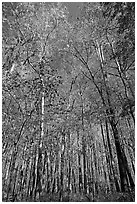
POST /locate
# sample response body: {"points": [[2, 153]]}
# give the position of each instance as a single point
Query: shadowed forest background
{"points": [[68, 102]]}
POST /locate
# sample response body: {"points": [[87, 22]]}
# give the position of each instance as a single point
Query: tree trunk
{"points": [[84, 167], [122, 161], [80, 174]]}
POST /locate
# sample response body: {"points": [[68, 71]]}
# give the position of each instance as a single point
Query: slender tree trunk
{"points": [[83, 146], [29, 179], [14, 193], [95, 168], [13, 160], [80, 174], [110, 158], [84, 168], [62, 166]]}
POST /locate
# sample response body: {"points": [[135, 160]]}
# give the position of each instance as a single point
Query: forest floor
{"points": [[77, 197]]}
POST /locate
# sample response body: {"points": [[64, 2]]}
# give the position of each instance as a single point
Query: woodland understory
{"points": [[68, 102]]}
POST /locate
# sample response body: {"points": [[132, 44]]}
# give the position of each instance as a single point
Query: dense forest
{"points": [[68, 102]]}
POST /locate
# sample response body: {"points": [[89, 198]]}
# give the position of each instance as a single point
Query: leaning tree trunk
{"points": [[122, 161]]}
